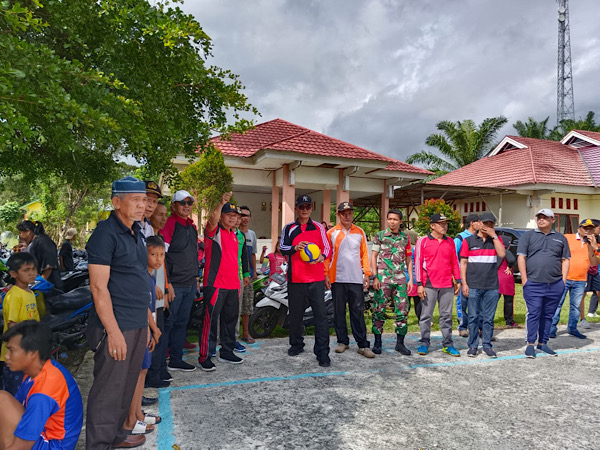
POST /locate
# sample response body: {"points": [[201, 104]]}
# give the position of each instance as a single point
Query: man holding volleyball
{"points": [[306, 279]]}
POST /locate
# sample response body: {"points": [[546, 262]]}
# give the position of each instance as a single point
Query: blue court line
{"points": [[166, 436]]}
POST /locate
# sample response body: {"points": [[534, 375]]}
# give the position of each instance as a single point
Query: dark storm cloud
{"points": [[381, 74]]}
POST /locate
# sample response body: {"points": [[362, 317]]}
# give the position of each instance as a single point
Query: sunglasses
{"points": [[305, 207], [188, 202], [245, 215]]}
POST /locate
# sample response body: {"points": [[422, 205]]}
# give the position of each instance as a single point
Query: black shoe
{"points": [[158, 384], [400, 347], [377, 345], [295, 351], [207, 365], [181, 365], [149, 401], [324, 361], [165, 375], [231, 359]]}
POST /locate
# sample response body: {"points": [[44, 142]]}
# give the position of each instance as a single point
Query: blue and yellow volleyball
{"points": [[310, 253]]}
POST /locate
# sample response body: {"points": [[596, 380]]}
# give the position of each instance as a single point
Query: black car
{"points": [[512, 234]]}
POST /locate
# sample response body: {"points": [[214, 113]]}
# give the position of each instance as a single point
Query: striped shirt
{"points": [[482, 262], [294, 233]]}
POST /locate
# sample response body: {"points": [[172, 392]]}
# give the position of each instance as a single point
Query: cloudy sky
{"points": [[381, 73]]}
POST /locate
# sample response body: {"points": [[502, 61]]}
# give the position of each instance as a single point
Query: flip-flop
{"points": [[142, 428], [151, 419], [249, 340]]}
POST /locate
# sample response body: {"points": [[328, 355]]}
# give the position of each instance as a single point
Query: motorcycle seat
{"points": [[75, 299]]}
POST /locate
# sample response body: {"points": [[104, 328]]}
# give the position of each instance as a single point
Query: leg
{"points": [[509, 309], [229, 320], [297, 306], [552, 298], [10, 416], [136, 402], [532, 292], [340, 292], [464, 303], [378, 316], [474, 300], [593, 303], [400, 308], [153, 374], [179, 323], [316, 299], [210, 299], [575, 299], [356, 305], [459, 310], [431, 296], [556, 317], [488, 304], [446, 300], [246, 309], [418, 306]]}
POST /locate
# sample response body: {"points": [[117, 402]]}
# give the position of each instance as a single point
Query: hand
{"points": [[246, 281], [255, 277], [156, 334], [457, 288], [117, 347], [465, 290], [327, 282], [300, 245], [421, 292], [366, 282], [320, 259], [226, 197], [169, 296], [593, 241], [376, 284], [508, 271], [409, 285], [159, 293]]}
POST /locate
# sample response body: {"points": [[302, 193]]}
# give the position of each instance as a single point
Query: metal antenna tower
{"points": [[565, 108]]}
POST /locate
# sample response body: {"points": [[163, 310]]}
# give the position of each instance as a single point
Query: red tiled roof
{"points": [[547, 162], [591, 134], [280, 135], [591, 158]]}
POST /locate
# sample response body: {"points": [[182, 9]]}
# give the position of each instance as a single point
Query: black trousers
{"points": [[300, 296], [418, 306], [158, 363], [508, 309], [222, 305], [351, 294], [114, 384]]}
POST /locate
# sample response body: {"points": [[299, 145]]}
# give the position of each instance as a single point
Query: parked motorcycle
{"points": [[272, 310]]}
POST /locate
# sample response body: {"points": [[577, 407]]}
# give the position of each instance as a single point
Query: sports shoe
{"points": [[341, 348], [214, 353], [451, 351], [366, 352], [239, 347], [207, 365], [530, 351], [513, 325], [553, 334], [592, 315], [181, 365], [491, 353], [546, 349], [584, 324], [577, 334], [157, 384], [472, 353], [295, 351], [422, 350], [165, 375], [463, 333], [325, 361], [231, 359], [189, 345]]}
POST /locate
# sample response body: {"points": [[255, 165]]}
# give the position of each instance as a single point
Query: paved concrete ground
{"points": [[393, 401]]}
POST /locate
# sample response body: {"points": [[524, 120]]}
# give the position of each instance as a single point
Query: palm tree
{"points": [[460, 143], [587, 124], [533, 129]]}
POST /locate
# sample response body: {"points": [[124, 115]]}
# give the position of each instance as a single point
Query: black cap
{"points": [[303, 200], [437, 217], [344, 206], [153, 188], [229, 207], [488, 217], [472, 218]]}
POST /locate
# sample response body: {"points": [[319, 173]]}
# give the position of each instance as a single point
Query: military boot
{"points": [[400, 347], [377, 345]]}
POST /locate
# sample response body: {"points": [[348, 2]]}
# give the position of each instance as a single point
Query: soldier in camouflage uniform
{"points": [[390, 256]]}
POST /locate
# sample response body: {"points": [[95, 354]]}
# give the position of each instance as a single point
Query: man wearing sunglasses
{"points": [[181, 239], [306, 281]]}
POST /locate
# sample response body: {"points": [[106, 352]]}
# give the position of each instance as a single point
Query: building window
{"points": [[568, 203], [471, 207], [466, 207], [552, 202], [566, 223], [560, 203], [483, 206], [477, 206], [575, 204]]}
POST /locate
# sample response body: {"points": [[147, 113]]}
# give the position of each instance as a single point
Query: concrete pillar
{"points": [[275, 228], [287, 197], [342, 195], [384, 208], [326, 210]]}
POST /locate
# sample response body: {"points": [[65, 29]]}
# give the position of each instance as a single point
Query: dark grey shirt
{"points": [[112, 244], [544, 253]]}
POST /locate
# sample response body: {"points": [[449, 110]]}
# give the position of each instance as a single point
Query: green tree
{"points": [[10, 215], [436, 205], [587, 124], [533, 128], [459, 143]]}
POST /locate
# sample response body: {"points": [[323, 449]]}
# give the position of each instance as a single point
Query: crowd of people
{"points": [[145, 270]]}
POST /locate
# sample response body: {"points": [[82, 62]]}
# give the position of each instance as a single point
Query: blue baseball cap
{"points": [[128, 185]]}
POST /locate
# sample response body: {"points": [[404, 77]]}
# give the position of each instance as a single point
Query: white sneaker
{"points": [[584, 324], [592, 315]]}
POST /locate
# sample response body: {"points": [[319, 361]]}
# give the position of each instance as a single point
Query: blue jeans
{"points": [[462, 311], [576, 290], [176, 324], [482, 309]]}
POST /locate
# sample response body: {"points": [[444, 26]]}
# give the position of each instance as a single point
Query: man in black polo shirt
{"points": [[118, 323], [543, 258], [479, 256]]}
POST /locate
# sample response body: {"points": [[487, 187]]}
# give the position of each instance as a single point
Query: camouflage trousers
{"points": [[397, 293]]}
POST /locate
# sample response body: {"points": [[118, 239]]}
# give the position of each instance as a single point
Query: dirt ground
{"points": [[393, 401]]}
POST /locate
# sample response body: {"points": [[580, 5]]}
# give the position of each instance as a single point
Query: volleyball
{"points": [[310, 253]]}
